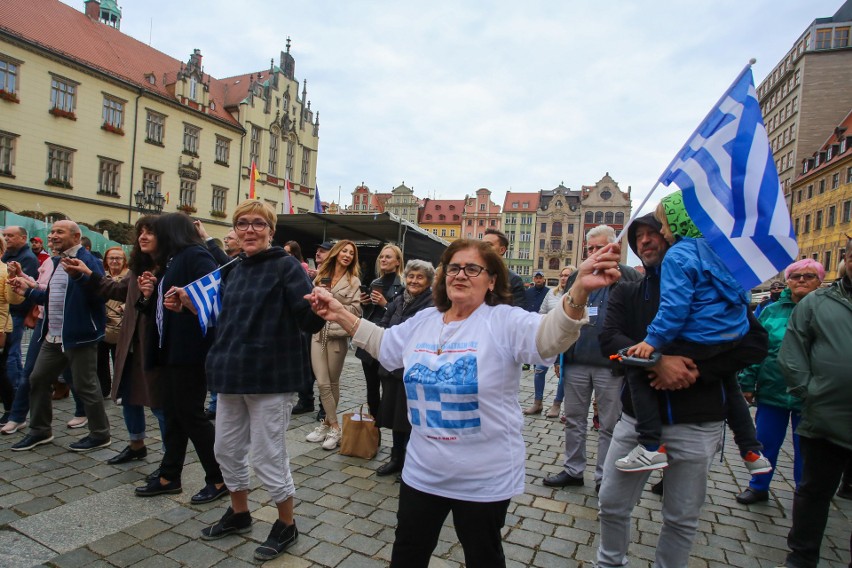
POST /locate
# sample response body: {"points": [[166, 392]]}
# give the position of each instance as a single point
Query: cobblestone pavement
{"points": [[62, 509]]}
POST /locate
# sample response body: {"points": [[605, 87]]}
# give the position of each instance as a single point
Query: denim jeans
{"points": [[21, 405], [134, 419], [772, 424], [14, 366]]}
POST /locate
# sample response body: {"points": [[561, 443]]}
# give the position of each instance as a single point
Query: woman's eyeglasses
{"points": [[806, 276], [256, 225], [470, 270]]}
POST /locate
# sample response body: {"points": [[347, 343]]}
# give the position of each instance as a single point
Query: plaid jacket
{"points": [[259, 346]]}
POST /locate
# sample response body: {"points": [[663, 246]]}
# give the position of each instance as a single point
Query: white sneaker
{"points": [[640, 459], [332, 439], [12, 427], [756, 463], [319, 433]]}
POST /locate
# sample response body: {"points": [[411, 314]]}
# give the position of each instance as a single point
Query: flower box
{"points": [[188, 209], [63, 113], [112, 128], [219, 214], [9, 96], [56, 182]]}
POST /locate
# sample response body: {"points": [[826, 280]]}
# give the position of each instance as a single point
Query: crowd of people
{"points": [[442, 351]]}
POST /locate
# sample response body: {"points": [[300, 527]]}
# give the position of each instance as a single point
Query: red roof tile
{"points": [[531, 199], [450, 208], [64, 30]]}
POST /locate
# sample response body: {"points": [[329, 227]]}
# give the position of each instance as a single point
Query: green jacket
{"points": [[814, 358], [765, 379]]}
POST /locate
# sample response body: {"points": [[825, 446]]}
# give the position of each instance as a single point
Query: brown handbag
{"points": [[360, 437]]}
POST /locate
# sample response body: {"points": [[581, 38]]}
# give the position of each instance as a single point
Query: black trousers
{"points": [[184, 389], [374, 398], [419, 520], [823, 466], [7, 391], [106, 356]]}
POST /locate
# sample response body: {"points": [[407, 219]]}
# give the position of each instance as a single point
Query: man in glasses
{"points": [[775, 290], [586, 370]]}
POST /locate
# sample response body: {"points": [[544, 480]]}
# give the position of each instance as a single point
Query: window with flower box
{"points": [[220, 198], [9, 69], [7, 153], [113, 115], [109, 176], [63, 96], [187, 195], [60, 162], [155, 128], [191, 135]]}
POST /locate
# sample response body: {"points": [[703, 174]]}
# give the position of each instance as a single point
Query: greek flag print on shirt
{"points": [[445, 398], [205, 297], [731, 189]]}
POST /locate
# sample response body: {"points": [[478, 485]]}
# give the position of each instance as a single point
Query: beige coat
{"points": [[348, 292]]}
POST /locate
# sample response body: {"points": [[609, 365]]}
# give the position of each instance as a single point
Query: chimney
{"points": [[93, 9]]}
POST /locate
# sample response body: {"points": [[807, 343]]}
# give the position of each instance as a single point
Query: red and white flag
{"points": [[287, 206]]}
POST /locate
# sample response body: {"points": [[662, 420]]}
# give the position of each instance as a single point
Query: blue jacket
{"points": [[85, 316], [700, 301], [29, 264], [535, 296]]}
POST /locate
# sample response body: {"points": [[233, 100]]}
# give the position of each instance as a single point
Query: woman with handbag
{"points": [[374, 302], [115, 267], [418, 275], [339, 275], [462, 365]]}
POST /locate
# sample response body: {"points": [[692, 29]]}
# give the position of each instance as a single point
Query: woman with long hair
{"points": [[178, 347], [134, 386], [293, 249], [374, 302], [339, 275]]}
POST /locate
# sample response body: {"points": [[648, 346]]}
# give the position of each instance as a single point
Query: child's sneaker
{"points": [[756, 463], [640, 459], [319, 433]]}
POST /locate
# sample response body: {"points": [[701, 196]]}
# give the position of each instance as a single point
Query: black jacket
{"points": [[631, 308], [29, 264], [519, 292], [260, 347]]}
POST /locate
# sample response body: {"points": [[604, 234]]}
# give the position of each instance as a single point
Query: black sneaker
{"points": [[281, 537], [303, 407], [30, 441], [5, 418], [89, 443], [230, 523]]}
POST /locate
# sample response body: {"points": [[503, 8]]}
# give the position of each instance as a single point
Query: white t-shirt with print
{"points": [[466, 439]]}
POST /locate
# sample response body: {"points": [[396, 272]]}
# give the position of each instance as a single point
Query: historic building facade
{"points": [[480, 213], [442, 217], [558, 224], [403, 203], [98, 127], [519, 224], [603, 204], [822, 200]]}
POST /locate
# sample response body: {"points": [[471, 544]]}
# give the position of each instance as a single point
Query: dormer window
{"points": [[193, 87]]}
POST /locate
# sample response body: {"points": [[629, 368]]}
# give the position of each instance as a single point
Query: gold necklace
{"points": [[441, 333]]}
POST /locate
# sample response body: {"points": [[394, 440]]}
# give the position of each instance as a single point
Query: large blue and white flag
{"points": [[204, 294], [317, 202], [731, 189]]}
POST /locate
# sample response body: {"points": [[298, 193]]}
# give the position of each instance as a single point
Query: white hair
{"points": [[602, 231]]}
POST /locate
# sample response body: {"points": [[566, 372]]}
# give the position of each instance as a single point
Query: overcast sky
{"points": [[451, 96]]}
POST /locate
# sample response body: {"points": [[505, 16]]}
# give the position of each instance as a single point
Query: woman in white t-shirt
{"points": [[462, 363]]}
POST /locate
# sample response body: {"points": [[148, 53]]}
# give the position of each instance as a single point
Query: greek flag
{"points": [[731, 189], [204, 294]]}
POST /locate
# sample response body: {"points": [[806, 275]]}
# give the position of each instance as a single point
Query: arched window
{"points": [[553, 264], [599, 217], [589, 217], [608, 218], [619, 218]]}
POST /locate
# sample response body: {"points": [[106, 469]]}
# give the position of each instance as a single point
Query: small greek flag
{"points": [[731, 189], [204, 294]]}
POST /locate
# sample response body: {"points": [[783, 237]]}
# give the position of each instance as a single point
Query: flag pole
{"points": [[229, 263], [635, 214]]}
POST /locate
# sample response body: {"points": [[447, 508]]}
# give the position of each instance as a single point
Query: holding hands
{"points": [[75, 267], [147, 282]]}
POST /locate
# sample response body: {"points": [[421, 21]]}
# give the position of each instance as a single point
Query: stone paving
{"points": [[62, 509]]}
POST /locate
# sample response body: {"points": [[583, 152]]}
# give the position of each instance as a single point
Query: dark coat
{"points": [[260, 347], [394, 405], [182, 342], [29, 264], [518, 290], [132, 341], [84, 317]]}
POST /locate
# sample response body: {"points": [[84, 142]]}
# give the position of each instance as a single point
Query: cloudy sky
{"points": [[451, 96]]}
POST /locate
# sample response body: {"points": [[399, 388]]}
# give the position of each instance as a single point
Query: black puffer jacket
{"points": [[633, 305]]}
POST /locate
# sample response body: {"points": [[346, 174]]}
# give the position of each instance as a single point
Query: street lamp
{"points": [[150, 201]]}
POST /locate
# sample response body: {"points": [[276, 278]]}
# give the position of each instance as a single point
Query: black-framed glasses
{"points": [[807, 276], [258, 226], [470, 270]]}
